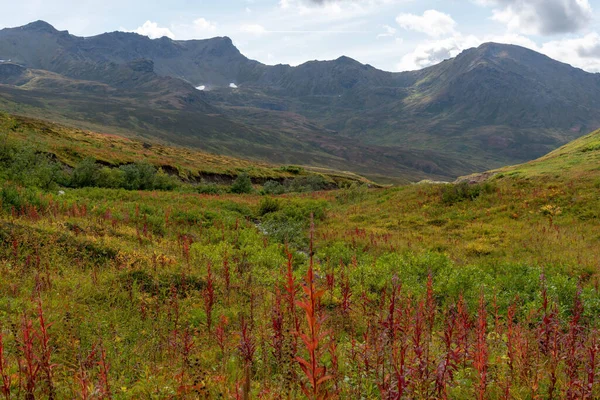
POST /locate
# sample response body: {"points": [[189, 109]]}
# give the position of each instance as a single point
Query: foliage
{"points": [[242, 184], [465, 191]]}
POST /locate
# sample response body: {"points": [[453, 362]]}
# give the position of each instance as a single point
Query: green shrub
{"points": [[292, 169], [85, 173], [164, 181], [452, 194], [268, 205], [242, 184], [273, 187], [113, 178], [209, 188]]}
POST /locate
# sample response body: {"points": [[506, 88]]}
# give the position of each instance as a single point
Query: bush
{"points": [[85, 173], [25, 166], [273, 187], [209, 188], [292, 169], [164, 181], [268, 205], [113, 178], [451, 194], [242, 184]]}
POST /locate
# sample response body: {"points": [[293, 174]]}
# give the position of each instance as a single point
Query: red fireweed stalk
{"points": [[247, 348], [82, 377], [449, 363], [45, 364], [313, 336], [277, 337], [105, 392], [480, 356], [29, 365], [591, 366], [315, 373], [574, 350], [6, 380]]}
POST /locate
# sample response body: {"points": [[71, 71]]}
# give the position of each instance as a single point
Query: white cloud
{"points": [[582, 52], [200, 28], [435, 51], [203, 25], [388, 31], [153, 31], [253, 29], [545, 17], [432, 23], [233, 85]]}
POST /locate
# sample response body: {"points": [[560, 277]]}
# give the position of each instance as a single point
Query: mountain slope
{"points": [[490, 106]]}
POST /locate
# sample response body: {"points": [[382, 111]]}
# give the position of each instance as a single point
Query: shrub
{"points": [[85, 173], [242, 184], [273, 187], [111, 178], [164, 181], [452, 194], [292, 169], [268, 205], [139, 176], [209, 188]]}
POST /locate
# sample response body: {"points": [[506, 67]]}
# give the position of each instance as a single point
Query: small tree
{"points": [[242, 184], [85, 173]]}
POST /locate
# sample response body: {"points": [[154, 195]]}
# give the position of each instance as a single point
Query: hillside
{"points": [[491, 106], [71, 146], [468, 290]]}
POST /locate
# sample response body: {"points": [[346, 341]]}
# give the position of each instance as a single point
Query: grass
{"points": [[404, 292], [70, 146]]}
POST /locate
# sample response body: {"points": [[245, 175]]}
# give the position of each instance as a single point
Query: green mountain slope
{"points": [[490, 106]]}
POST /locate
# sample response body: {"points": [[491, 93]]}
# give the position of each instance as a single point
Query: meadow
{"points": [[483, 290]]}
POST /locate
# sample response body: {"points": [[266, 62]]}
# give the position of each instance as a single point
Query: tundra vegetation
{"points": [[487, 291]]}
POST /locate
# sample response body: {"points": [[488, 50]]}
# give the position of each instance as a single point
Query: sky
{"points": [[393, 35]]}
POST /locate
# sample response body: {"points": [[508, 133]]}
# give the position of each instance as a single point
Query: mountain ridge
{"points": [[493, 105]]}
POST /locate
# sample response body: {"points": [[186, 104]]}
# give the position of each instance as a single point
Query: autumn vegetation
{"points": [[486, 291]]}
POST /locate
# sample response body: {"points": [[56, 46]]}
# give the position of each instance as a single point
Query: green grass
{"points": [[126, 274]]}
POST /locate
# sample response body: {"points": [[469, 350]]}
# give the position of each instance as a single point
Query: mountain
{"points": [[490, 106]]}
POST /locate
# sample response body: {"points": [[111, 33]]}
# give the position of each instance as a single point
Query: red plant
{"points": [[29, 365], [480, 356], [6, 380], [277, 338], [105, 392], [45, 353], [312, 338], [574, 350], [246, 349], [449, 364], [82, 376], [592, 354], [220, 333]]}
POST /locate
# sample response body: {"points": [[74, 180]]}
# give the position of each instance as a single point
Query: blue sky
{"points": [[393, 35]]}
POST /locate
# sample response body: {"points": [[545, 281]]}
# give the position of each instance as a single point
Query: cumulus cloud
{"points": [[388, 31], [435, 51], [200, 28], [204, 25], [582, 52], [432, 23], [545, 17], [153, 31]]}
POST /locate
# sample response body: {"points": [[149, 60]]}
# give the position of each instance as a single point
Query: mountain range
{"points": [[490, 106]]}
